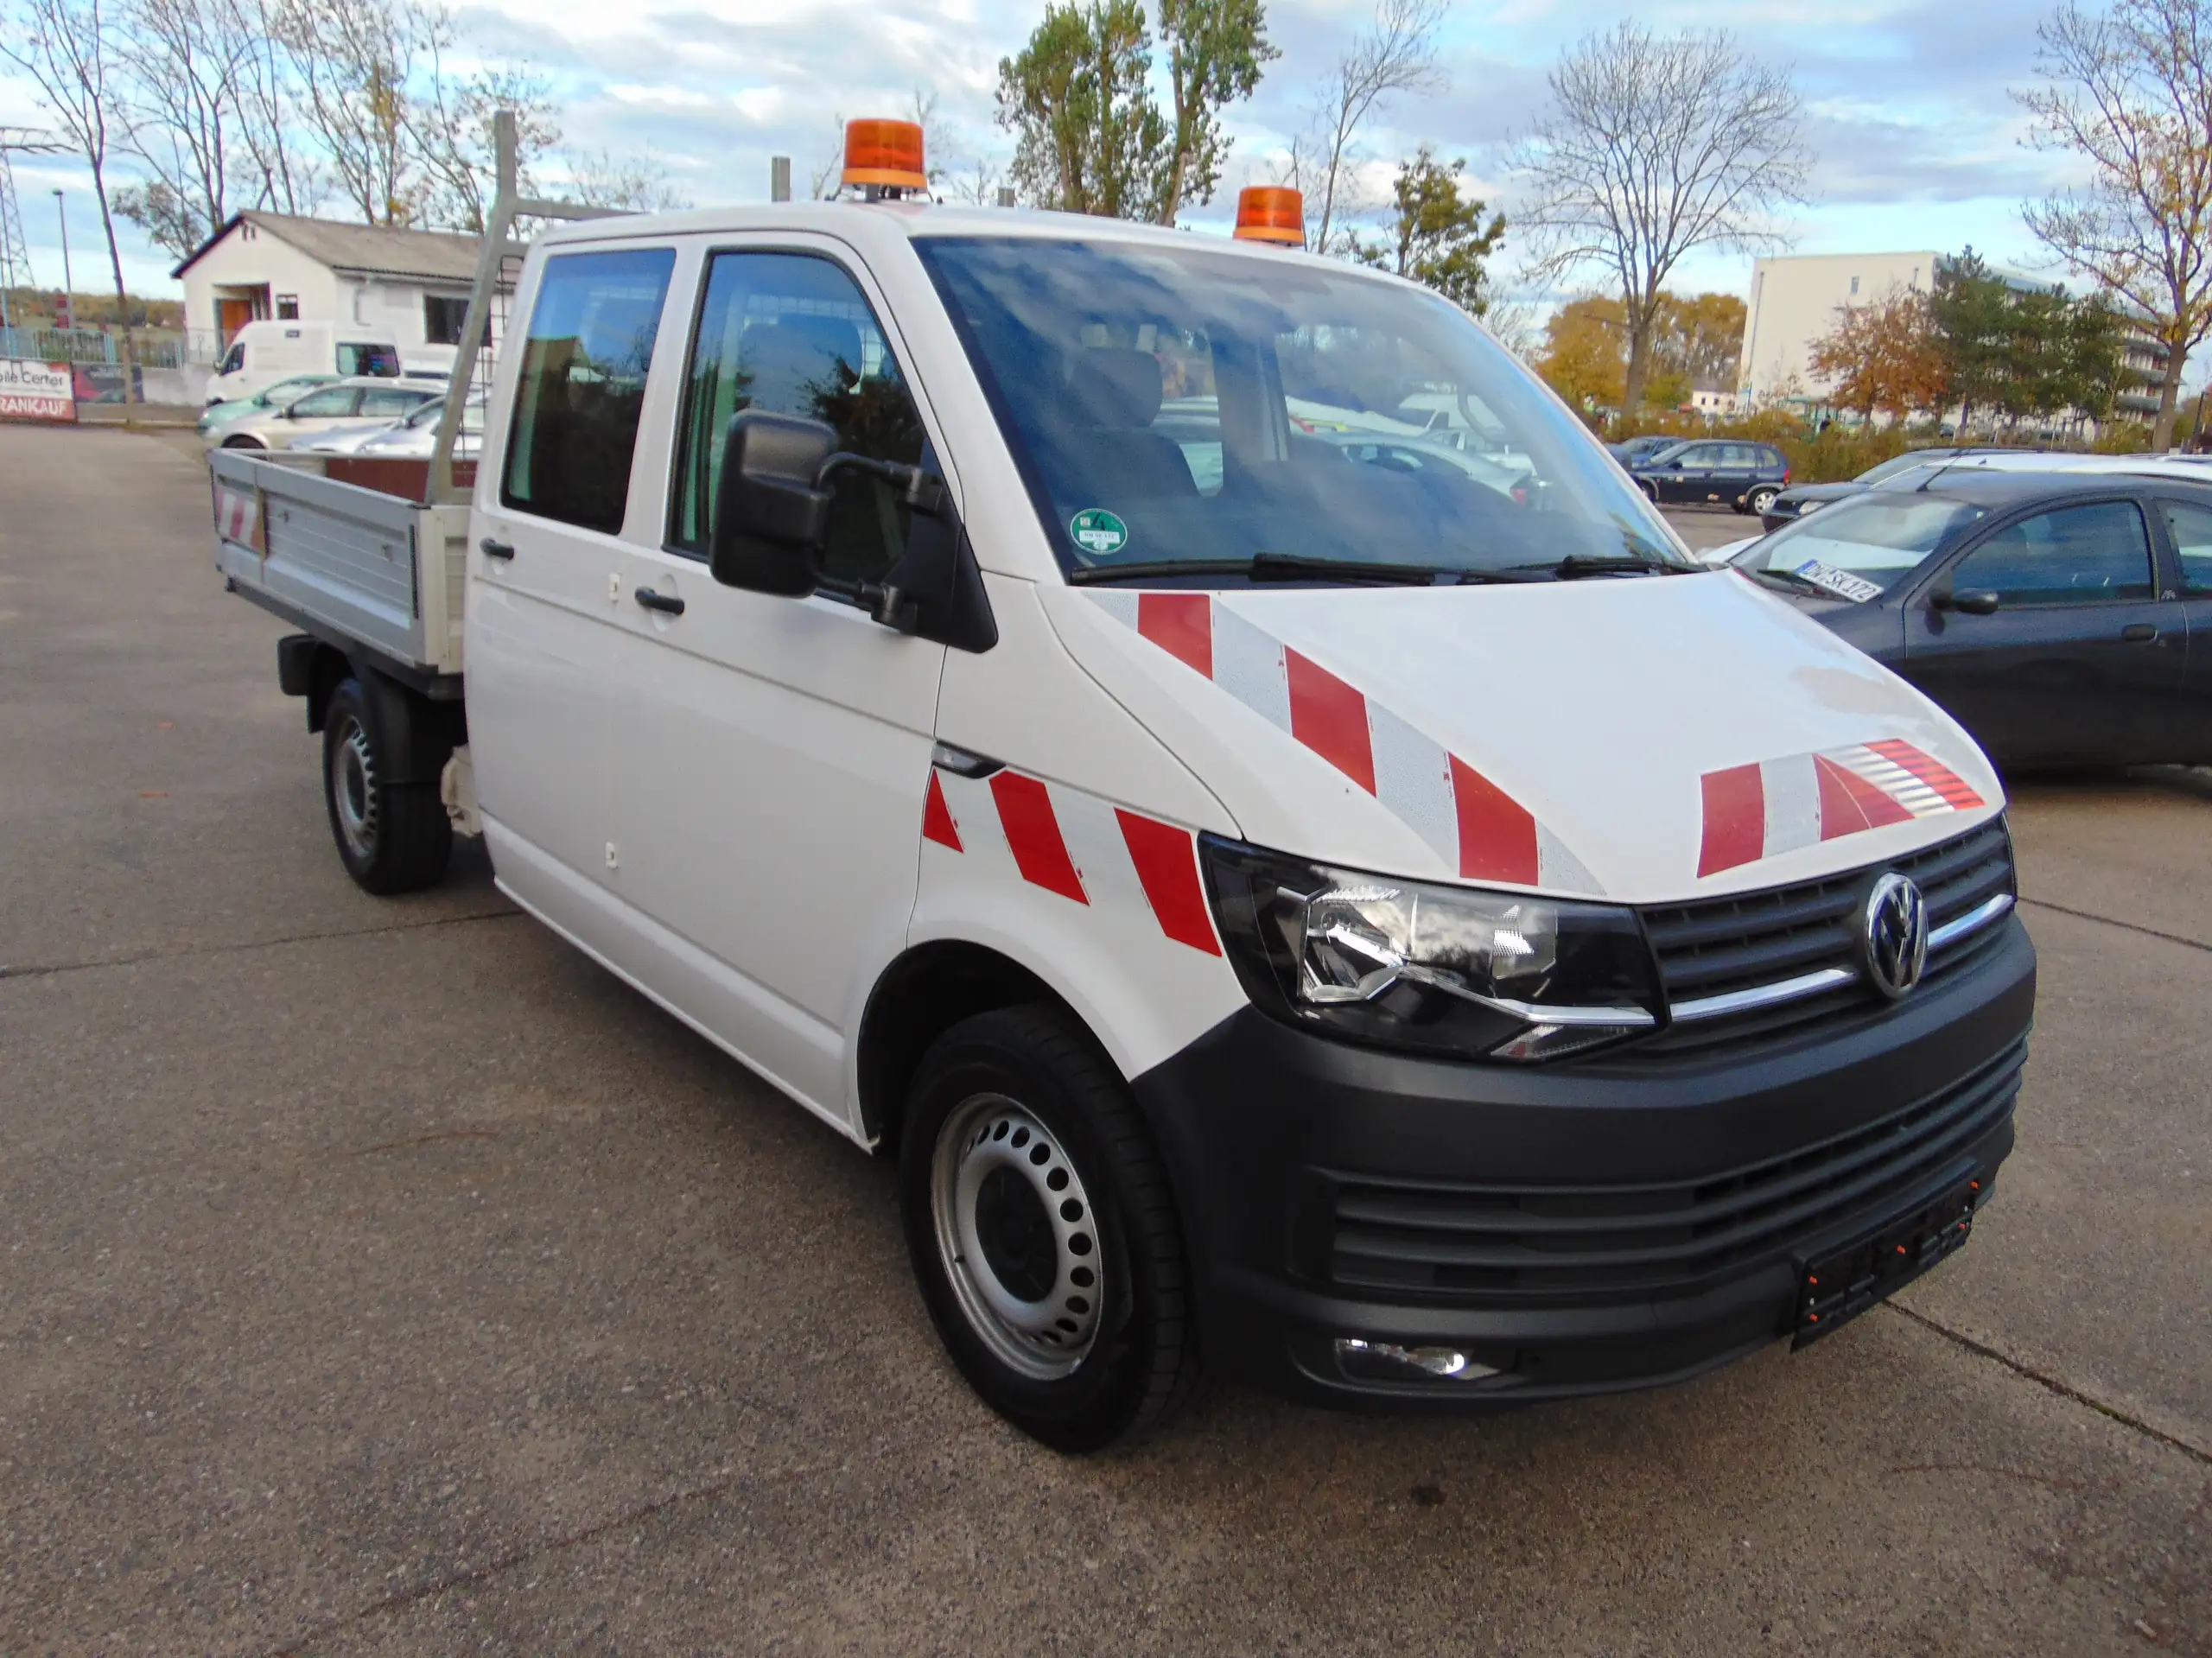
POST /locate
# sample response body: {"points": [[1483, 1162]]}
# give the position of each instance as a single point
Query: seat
{"points": [[1113, 397]]}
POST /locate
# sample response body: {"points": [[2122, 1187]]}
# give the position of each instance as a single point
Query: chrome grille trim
{"points": [[1972, 921], [1765, 995]]}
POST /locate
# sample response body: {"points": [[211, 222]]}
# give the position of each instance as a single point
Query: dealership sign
{"points": [[36, 390]]}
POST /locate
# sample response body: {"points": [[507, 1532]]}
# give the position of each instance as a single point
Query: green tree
{"points": [[1216, 50], [1089, 138], [1438, 237], [1969, 311]]}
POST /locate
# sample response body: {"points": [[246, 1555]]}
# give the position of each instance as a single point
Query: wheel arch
{"points": [[924, 992]]}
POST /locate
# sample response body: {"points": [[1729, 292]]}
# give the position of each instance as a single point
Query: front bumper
{"points": [[1575, 1229]]}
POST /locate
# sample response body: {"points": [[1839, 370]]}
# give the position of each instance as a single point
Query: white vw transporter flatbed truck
{"points": [[1192, 748]]}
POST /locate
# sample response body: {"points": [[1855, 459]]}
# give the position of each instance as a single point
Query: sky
{"points": [[1907, 104]]}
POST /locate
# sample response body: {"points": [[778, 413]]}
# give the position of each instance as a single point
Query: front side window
{"points": [[336, 402], [793, 335], [233, 360], [1191, 406], [2077, 555], [582, 385], [2191, 529]]}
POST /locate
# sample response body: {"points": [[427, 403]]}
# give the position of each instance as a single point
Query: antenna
{"points": [[15, 252]]}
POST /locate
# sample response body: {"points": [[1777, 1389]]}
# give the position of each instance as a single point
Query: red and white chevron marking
{"points": [[1087, 850], [237, 515], [1775, 806], [1474, 826]]}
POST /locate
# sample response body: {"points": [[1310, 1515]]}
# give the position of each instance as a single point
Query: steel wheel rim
{"points": [[353, 788], [990, 1151]]}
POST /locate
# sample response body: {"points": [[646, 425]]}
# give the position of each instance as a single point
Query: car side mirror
{"points": [[771, 512], [1967, 602]]}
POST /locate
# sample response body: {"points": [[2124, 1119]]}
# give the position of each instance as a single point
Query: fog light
{"points": [[1390, 1361]]}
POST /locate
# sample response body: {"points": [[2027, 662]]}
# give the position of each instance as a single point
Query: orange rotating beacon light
{"points": [[884, 158], [1271, 213]]}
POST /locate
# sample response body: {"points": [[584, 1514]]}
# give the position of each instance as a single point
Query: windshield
{"points": [[1868, 542], [1169, 406]]}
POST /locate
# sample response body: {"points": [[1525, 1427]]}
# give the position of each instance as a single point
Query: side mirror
{"points": [[1967, 602], [770, 511]]}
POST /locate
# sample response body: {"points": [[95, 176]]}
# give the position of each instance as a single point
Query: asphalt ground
{"points": [[381, 1276]]}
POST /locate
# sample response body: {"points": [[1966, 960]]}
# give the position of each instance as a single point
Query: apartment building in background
{"points": [[1793, 300]]}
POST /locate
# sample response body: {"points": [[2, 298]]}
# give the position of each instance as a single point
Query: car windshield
{"points": [[1869, 539], [1170, 406]]}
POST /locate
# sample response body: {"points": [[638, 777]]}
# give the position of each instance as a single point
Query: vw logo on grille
{"points": [[1894, 935]]}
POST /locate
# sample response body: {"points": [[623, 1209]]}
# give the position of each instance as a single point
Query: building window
{"points": [[287, 308], [443, 318]]}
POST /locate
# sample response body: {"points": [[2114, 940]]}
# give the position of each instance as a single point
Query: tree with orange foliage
{"points": [[1885, 355]]}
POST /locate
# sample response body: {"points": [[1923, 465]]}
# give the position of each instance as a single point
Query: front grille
{"points": [[1740, 943], [1505, 1243]]}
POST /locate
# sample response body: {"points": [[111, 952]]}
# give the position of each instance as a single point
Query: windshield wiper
{"points": [[1789, 579], [1580, 564], [1288, 567]]}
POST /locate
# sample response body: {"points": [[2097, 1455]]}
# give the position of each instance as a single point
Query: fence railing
{"points": [[166, 349]]}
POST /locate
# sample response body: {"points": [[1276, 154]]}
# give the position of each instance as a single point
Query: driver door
{"points": [[773, 752], [2081, 662]]}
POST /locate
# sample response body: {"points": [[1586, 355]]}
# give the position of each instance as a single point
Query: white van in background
{"points": [[262, 353]]}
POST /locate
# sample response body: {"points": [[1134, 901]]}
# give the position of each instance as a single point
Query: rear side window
{"points": [[379, 402], [2077, 555], [793, 335], [382, 361], [2191, 529], [582, 385]]}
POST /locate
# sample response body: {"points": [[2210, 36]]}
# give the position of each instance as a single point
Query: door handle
{"points": [[2138, 632], [667, 603], [495, 548]]}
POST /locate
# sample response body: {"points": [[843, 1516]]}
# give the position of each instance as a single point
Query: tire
{"points": [[1073, 1322], [1651, 492], [393, 836], [1760, 500]]}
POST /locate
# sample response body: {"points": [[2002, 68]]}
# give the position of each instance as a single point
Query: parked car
{"points": [[263, 353], [417, 436], [1632, 450], [1726, 472], [1418, 454], [218, 416], [345, 403], [2061, 617], [1793, 504]]}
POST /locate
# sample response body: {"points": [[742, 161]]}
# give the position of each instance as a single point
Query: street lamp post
{"points": [[68, 287]]}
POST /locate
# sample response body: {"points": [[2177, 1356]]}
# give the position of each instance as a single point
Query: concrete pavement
{"points": [[384, 1277]]}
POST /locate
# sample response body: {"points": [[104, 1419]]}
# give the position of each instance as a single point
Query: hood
{"points": [[1821, 492], [1647, 739]]}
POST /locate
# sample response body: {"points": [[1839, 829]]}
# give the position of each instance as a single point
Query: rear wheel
{"points": [[1760, 499], [393, 836], [1042, 1231]]}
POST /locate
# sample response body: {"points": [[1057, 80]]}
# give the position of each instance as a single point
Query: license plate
{"points": [[1839, 1286]]}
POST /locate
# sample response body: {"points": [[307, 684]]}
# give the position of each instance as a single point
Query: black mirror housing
{"points": [[770, 516], [1967, 602]]}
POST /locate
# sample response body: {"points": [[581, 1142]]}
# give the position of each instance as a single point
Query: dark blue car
{"points": [[1719, 472]]}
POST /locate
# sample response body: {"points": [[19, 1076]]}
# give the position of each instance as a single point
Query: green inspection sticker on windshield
{"points": [[1097, 531]]}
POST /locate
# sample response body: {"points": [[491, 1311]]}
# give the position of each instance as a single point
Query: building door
{"points": [[230, 316]]}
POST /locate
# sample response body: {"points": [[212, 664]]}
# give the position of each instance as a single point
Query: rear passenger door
{"points": [[774, 753], [2082, 659], [2188, 533], [547, 602]]}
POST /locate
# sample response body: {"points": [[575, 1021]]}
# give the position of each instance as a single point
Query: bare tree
{"points": [[636, 184], [286, 179], [1657, 146], [187, 62], [354, 60], [68, 48], [1393, 56], [449, 128], [2131, 92], [826, 176]]}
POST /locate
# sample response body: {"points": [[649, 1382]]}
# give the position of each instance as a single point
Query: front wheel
{"points": [[393, 836], [1759, 500], [1043, 1234]]}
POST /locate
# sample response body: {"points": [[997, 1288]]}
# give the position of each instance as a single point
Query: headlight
{"points": [[1412, 964]]}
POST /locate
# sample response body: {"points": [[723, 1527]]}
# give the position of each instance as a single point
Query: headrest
{"points": [[1112, 387]]}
